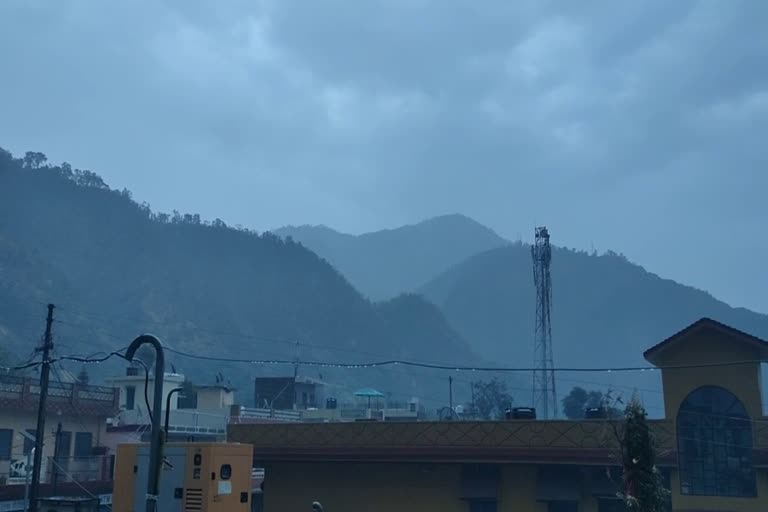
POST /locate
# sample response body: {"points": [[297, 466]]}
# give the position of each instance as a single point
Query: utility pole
{"points": [[450, 394], [472, 389], [296, 360], [34, 490], [56, 460]]}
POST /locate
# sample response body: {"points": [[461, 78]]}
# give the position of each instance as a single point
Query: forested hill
{"points": [[116, 269], [383, 264], [605, 309]]}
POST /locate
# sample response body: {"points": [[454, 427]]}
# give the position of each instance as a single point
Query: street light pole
{"points": [[156, 444]]}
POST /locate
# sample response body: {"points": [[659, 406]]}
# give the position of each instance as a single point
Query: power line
{"points": [[409, 363], [461, 368], [263, 339]]}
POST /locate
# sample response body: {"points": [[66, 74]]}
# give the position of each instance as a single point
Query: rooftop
{"points": [[655, 353], [577, 442], [23, 394]]}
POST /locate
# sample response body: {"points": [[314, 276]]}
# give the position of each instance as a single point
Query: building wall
{"points": [[354, 487], [743, 380], [170, 382], [720, 504], [406, 487], [214, 398], [19, 421]]}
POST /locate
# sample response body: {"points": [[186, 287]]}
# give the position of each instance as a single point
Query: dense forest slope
{"points": [[605, 310], [116, 269]]}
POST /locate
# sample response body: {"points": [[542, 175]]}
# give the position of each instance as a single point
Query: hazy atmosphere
{"points": [[383, 255], [633, 127]]}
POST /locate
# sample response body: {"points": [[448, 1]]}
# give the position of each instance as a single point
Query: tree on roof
{"points": [[642, 485]]}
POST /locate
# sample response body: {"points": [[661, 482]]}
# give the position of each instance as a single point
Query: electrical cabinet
{"points": [[195, 477]]}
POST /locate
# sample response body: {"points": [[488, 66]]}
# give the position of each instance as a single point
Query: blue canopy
{"points": [[368, 392]]}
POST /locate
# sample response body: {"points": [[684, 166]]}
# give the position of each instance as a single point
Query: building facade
{"points": [[75, 429], [712, 448], [207, 421]]}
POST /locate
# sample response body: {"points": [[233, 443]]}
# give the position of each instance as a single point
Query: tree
{"points": [[34, 159], [491, 398], [642, 484], [83, 377], [575, 403], [579, 400]]}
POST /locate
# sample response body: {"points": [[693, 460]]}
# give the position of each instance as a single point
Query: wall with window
{"points": [[714, 413], [79, 435], [435, 487], [132, 397]]}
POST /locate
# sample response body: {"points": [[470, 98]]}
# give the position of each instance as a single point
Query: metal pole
{"points": [[26, 479], [168, 409], [156, 444], [34, 490], [55, 468], [450, 394], [472, 389]]}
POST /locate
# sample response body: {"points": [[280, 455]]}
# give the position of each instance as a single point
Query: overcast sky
{"points": [[636, 126]]}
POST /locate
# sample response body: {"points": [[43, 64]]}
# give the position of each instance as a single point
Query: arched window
{"points": [[714, 441]]}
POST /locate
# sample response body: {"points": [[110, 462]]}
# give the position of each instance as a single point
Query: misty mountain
{"points": [[383, 264], [115, 269], [605, 310]]}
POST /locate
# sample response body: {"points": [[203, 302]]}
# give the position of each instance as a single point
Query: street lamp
{"points": [[156, 444]]}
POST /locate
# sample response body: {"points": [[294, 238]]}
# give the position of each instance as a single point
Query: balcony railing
{"points": [[191, 421], [256, 415], [69, 398], [60, 470], [80, 469]]}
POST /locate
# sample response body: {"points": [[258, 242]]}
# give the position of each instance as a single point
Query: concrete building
{"points": [[284, 393], [133, 409], [713, 448], [205, 422], [215, 397], [75, 431]]}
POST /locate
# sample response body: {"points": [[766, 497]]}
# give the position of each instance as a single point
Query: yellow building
{"points": [[713, 448]]}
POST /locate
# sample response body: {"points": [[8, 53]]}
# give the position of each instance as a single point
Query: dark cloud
{"points": [[637, 127]]}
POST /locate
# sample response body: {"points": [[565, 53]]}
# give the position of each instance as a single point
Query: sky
{"points": [[633, 126]]}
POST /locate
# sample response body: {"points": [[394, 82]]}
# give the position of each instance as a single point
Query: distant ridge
{"points": [[384, 263]]}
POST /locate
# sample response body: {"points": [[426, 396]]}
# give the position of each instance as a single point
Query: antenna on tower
{"points": [[544, 394]]}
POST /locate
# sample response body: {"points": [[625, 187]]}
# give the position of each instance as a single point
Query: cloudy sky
{"points": [[635, 126]]}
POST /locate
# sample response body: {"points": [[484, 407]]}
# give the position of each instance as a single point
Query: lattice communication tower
{"points": [[544, 393]]}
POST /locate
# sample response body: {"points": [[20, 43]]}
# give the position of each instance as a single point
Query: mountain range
{"points": [[383, 264], [606, 310], [444, 290], [115, 269]]}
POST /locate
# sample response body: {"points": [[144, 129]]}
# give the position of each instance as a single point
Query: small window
{"points": [[198, 459], [130, 397], [226, 471], [83, 444], [6, 443]]}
